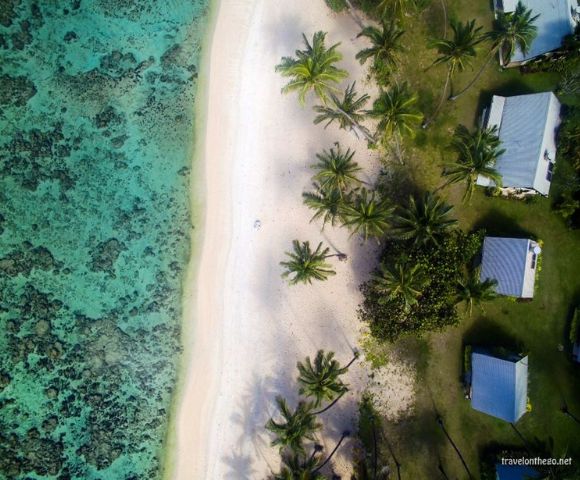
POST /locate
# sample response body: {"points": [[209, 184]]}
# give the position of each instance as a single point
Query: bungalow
{"points": [[515, 472], [527, 126], [512, 263], [557, 18], [499, 386]]}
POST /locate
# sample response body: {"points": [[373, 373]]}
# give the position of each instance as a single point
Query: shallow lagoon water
{"points": [[96, 134]]}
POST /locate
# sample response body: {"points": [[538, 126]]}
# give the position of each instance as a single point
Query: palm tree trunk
{"points": [[440, 423], [398, 150], [522, 438], [470, 84], [447, 80], [344, 435], [354, 15], [354, 358], [328, 407], [358, 126], [441, 187]]}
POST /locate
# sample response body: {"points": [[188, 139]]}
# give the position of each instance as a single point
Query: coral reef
{"points": [[97, 104]]}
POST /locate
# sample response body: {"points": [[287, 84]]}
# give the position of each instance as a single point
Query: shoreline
{"points": [[199, 363], [198, 216]]}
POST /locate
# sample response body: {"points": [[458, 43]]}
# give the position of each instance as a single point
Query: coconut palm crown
{"points": [[385, 45], [346, 111], [458, 51], [305, 265], [424, 220], [473, 291], [368, 215], [320, 380], [300, 467], [327, 204], [395, 8], [513, 30], [477, 153], [400, 280], [396, 112], [295, 426], [336, 170], [313, 69]]}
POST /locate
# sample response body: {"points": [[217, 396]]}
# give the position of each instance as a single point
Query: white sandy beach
{"points": [[247, 327]]}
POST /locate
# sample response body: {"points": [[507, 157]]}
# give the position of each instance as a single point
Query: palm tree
{"points": [[320, 380], [348, 111], [477, 152], [295, 427], [298, 467], [344, 435], [424, 220], [368, 215], [511, 30], [457, 53], [473, 291], [306, 265], [401, 280], [313, 70], [327, 204], [395, 8], [396, 111], [385, 46], [336, 170]]}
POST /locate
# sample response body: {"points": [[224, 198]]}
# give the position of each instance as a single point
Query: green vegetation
{"points": [[424, 220], [294, 428], [306, 265], [472, 291], [368, 215], [296, 433], [385, 49], [511, 30], [397, 115], [477, 153], [336, 170], [313, 69], [443, 263], [443, 423], [567, 183], [457, 53], [347, 112]]}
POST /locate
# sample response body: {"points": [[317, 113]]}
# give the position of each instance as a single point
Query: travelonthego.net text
{"points": [[536, 461]]}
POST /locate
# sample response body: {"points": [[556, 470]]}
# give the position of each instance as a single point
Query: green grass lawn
{"points": [[537, 328]]}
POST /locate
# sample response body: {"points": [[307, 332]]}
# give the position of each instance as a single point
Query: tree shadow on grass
{"points": [[498, 224], [487, 333]]}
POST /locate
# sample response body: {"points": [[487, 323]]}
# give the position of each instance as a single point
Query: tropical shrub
{"points": [[567, 178], [336, 5], [444, 264]]}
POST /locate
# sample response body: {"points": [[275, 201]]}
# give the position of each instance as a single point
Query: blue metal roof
{"points": [[515, 472], [499, 387], [528, 125], [553, 24], [504, 260]]}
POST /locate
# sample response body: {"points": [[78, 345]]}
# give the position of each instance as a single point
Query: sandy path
{"points": [[249, 327]]}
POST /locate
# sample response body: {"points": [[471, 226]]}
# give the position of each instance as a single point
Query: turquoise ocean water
{"points": [[96, 134]]}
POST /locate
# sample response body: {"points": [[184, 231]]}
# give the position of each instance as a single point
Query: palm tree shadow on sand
{"points": [[257, 405]]}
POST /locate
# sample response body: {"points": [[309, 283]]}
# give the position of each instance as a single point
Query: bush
{"points": [[443, 264], [336, 5], [567, 202]]}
